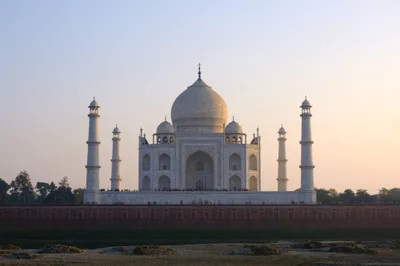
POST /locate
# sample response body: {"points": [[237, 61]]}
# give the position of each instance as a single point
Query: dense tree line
{"points": [[360, 196], [21, 191]]}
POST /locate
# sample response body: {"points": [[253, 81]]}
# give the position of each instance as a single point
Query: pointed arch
{"points": [[199, 171], [253, 162], [164, 182], [146, 183], [235, 162], [235, 183], [164, 162], [146, 162], [253, 184]]}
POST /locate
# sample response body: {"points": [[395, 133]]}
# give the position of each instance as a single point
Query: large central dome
{"points": [[199, 109]]}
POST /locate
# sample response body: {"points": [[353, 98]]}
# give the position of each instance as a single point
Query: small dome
{"points": [[305, 103], [165, 128], [94, 103], [233, 128], [116, 130], [282, 130]]}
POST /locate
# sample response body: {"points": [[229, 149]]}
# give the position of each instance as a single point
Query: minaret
{"points": [[282, 177], [307, 167], [93, 164], [115, 161]]}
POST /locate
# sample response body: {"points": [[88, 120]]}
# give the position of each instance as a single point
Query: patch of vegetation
{"points": [[355, 248], [22, 255], [309, 245], [262, 250], [153, 250], [60, 249], [4, 252], [10, 247], [352, 248]]}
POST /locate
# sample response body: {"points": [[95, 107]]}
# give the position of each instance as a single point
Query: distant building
{"points": [[199, 158]]}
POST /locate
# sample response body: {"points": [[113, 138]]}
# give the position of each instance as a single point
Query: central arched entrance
{"points": [[199, 171]]}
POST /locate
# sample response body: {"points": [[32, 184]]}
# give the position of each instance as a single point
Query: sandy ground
{"points": [[216, 254]]}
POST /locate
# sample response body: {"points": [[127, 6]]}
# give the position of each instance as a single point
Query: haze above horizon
{"points": [[262, 57]]}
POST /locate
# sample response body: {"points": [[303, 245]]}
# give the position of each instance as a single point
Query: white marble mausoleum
{"points": [[199, 158]]}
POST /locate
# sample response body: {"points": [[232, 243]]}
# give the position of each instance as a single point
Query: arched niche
{"points": [[164, 162], [235, 162], [253, 183], [164, 183], [146, 162], [146, 183], [253, 162], [199, 171], [235, 183]]}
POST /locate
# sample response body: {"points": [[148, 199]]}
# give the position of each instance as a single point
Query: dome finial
{"points": [[233, 118], [165, 117], [199, 73]]}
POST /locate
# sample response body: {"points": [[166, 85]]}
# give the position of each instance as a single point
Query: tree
{"points": [[78, 193], [347, 196], [22, 189], [363, 196], [334, 195], [52, 188], [43, 190], [395, 194], [4, 187], [64, 182], [62, 195], [323, 196]]}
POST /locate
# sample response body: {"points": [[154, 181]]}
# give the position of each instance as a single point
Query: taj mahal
{"points": [[199, 158]]}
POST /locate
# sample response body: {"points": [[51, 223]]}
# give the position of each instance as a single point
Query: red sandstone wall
{"points": [[217, 216]]}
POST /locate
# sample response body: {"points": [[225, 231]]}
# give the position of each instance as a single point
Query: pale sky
{"points": [[262, 57]]}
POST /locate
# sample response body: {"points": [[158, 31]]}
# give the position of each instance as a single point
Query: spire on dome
{"points": [[233, 118], [199, 73], [165, 118]]}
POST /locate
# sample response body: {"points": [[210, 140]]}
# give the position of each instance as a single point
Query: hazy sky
{"points": [[262, 57]]}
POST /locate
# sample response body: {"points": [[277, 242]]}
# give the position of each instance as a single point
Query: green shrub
{"points": [[10, 247], [262, 250], [151, 250], [60, 249]]}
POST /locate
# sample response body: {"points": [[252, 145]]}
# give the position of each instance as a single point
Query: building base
{"points": [[200, 197]]}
